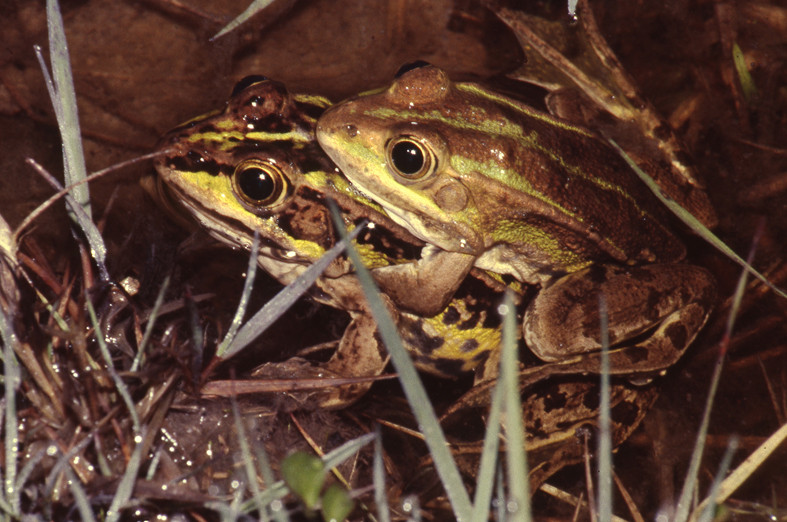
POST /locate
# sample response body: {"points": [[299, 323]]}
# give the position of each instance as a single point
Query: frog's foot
{"points": [[654, 313], [425, 286]]}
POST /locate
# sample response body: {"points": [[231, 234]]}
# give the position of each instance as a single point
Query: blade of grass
{"points": [[571, 500], [707, 510], [263, 464], [248, 284], [153, 464], [248, 462], [412, 506], [690, 483], [748, 87], [411, 383], [378, 474], [61, 91], [64, 100], [274, 308], [501, 494], [516, 459], [255, 7], [33, 215], [29, 467], [636, 516], [604, 477], [125, 487], [149, 327], [747, 467], [62, 462], [11, 381], [110, 368], [335, 457], [80, 497], [97, 248], [268, 497], [693, 223], [488, 466], [278, 490]]}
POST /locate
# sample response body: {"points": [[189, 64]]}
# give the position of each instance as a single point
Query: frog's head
{"points": [[245, 168], [398, 146]]}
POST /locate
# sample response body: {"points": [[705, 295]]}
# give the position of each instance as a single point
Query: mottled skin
{"points": [[508, 189]]}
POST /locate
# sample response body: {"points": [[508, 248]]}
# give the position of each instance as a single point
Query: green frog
{"points": [[491, 183], [255, 165]]}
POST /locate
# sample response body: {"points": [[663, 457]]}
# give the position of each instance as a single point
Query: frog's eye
{"points": [[259, 183], [409, 158]]}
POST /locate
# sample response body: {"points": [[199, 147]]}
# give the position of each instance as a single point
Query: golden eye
{"points": [[409, 158], [259, 183]]}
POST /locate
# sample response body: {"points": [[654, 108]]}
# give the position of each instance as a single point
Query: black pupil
{"points": [[256, 183], [407, 157]]}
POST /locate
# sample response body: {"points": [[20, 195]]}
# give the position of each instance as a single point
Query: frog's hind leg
{"points": [[654, 313]]}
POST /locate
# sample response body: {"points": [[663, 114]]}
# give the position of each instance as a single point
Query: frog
{"points": [[492, 183], [255, 165]]}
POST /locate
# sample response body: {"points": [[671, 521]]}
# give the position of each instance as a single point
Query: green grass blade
{"points": [[274, 308], [98, 250], [61, 90], [62, 462], [378, 474], [413, 388], [268, 497], [248, 461], [485, 480], [29, 467], [65, 104], [255, 7], [126, 485], [248, 284], [707, 511], [693, 223], [80, 497], [149, 327], [11, 381], [263, 464], [744, 76], [501, 494], [604, 476], [345, 451], [516, 459], [119, 384], [740, 474], [690, 483]]}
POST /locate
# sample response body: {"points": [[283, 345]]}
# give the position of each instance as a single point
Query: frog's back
{"points": [[555, 177]]}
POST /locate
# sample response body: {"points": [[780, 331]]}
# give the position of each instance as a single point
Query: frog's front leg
{"points": [[425, 287], [654, 313]]}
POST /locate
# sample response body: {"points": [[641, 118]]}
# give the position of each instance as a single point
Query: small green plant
{"points": [[305, 475]]}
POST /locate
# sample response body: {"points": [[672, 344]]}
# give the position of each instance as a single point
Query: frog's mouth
{"points": [[449, 236]]}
